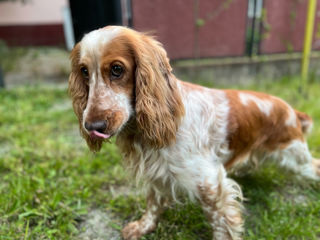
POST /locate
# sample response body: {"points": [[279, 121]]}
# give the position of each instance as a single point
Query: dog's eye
{"points": [[85, 72], [116, 71]]}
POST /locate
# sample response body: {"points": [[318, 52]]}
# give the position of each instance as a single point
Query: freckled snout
{"points": [[109, 125], [97, 129]]}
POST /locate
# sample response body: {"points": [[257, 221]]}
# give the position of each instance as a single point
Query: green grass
{"points": [[49, 180]]}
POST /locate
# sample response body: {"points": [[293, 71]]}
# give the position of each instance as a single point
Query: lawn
{"points": [[50, 182]]}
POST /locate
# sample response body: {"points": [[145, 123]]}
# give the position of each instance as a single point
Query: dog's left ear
{"points": [[159, 106]]}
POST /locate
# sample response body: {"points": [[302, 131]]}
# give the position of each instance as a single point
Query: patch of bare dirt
{"points": [[99, 225]]}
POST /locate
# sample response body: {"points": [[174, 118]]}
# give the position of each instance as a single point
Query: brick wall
{"points": [[173, 22]]}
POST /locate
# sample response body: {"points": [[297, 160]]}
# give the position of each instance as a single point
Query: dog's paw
{"points": [[132, 231], [316, 166]]}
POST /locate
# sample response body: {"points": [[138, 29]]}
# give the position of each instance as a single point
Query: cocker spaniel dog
{"points": [[178, 137]]}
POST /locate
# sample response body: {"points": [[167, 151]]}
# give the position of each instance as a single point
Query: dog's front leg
{"points": [[148, 222], [219, 197]]}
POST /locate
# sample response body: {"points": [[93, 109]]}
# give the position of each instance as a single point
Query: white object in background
{"points": [[259, 7], [126, 12], [68, 28]]}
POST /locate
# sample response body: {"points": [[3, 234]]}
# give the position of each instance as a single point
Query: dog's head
{"points": [[120, 76]]}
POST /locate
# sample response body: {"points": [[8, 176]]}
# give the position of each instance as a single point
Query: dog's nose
{"points": [[99, 126]]}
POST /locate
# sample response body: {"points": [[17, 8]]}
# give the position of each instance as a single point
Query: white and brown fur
{"points": [[177, 137]]}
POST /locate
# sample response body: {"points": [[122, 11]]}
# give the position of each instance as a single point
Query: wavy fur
{"points": [[159, 107]]}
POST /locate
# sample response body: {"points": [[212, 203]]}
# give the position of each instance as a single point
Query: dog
{"points": [[177, 137]]}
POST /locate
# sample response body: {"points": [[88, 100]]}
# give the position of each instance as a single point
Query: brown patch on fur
{"points": [[250, 129], [118, 51], [132, 231], [206, 194], [306, 121]]}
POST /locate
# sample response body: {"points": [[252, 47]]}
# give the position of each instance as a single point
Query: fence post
{"points": [[307, 43], [253, 28], [1, 78]]}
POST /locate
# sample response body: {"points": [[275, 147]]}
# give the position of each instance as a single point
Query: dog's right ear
{"points": [[159, 107], [78, 91]]}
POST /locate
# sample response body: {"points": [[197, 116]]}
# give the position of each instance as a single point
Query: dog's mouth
{"points": [[96, 134]]}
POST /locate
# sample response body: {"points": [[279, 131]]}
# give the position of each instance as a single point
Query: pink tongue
{"points": [[97, 134]]}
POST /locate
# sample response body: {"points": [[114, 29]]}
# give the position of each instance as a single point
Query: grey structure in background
{"points": [[68, 28], [1, 78]]}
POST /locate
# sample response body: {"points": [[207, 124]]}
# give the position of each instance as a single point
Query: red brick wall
{"points": [[173, 24], [287, 26], [33, 35]]}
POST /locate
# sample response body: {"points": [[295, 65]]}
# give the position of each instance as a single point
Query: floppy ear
{"points": [[78, 91], [159, 106]]}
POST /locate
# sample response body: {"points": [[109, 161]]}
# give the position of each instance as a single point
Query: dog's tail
{"points": [[306, 122]]}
